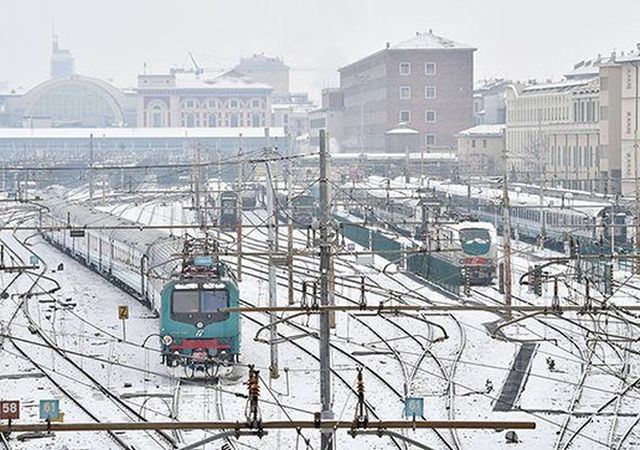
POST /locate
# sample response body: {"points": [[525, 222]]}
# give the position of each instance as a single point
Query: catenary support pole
{"points": [[273, 283], [506, 235], [289, 181], [325, 255], [239, 208]]}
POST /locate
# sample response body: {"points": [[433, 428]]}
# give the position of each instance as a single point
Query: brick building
{"points": [[425, 82]]}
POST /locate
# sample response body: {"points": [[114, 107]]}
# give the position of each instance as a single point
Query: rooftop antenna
{"points": [[197, 69], [54, 36]]}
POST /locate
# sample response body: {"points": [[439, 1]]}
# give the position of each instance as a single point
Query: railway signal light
{"points": [[537, 280], [608, 279]]}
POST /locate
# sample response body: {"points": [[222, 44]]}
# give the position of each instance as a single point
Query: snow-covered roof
{"points": [[484, 130], [558, 86], [630, 57], [521, 199], [136, 133], [208, 81], [427, 156], [80, 215], [403, 130], [431, 41]]}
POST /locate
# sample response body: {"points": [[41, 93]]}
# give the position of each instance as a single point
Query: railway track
{"points": [[409, 370], [407, 373], [117, 408]]}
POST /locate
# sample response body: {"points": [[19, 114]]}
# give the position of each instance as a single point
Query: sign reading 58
{"points": [[10, 409]]}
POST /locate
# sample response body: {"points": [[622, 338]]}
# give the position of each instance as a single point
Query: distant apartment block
{"points": [[329, 117], [489, 101], [267, 70], [425, 83], [578, 133], [619, 120]]}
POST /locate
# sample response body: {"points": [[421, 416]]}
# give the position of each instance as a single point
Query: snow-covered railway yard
{"points": [[579, 391]]}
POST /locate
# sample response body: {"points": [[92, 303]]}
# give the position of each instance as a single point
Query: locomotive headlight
{"points": [[168, 340]]}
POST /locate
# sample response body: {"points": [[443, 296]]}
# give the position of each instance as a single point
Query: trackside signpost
{"points": [[413, 407], [9, 410], [49, 409], [123, 315]]}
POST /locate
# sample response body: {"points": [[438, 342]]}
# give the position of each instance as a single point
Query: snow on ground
{"points": [[477, 363]]}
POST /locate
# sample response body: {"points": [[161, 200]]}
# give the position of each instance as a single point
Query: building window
{"points": [[430, 68], [430, 116], [255, 120], [484, 143], [211, 103], [234, 121], [430, 92], [190, 121], [157, 119], [404, 116], [473, 143], [604, 113], [430, 139], [212, 120], [405, 68], [233, 103], [158, 113], [255, 103], [405, 92]]}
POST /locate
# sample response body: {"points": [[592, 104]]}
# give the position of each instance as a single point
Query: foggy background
{"points": [[112, 40]]}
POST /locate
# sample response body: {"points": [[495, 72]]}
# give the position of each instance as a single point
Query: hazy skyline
{"points": [[112, 40]]}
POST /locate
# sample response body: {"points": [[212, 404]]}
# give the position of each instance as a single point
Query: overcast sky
{"points": [[111, 39]]}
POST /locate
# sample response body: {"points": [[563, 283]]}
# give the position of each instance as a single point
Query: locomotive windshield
{"points": [[475, 241], [211, 301], [185, 302], [199, 305]]}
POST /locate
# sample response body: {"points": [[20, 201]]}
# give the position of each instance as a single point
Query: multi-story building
{"points": [[328, 117], [489, 101], [267, 70], [619, 121], [291, 112], [553, 134], [183, 100], [425, 82], [579, 133], [481, 150], [61, 61]]}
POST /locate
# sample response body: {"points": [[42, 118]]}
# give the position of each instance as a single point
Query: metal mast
{"points": [[90, 170], [273, 331], [289, 181], [325, 256], [239, 208], [637, 181], [506, 236]]}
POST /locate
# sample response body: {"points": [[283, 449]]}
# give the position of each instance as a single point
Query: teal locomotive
{"points": [[195, 332]]}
